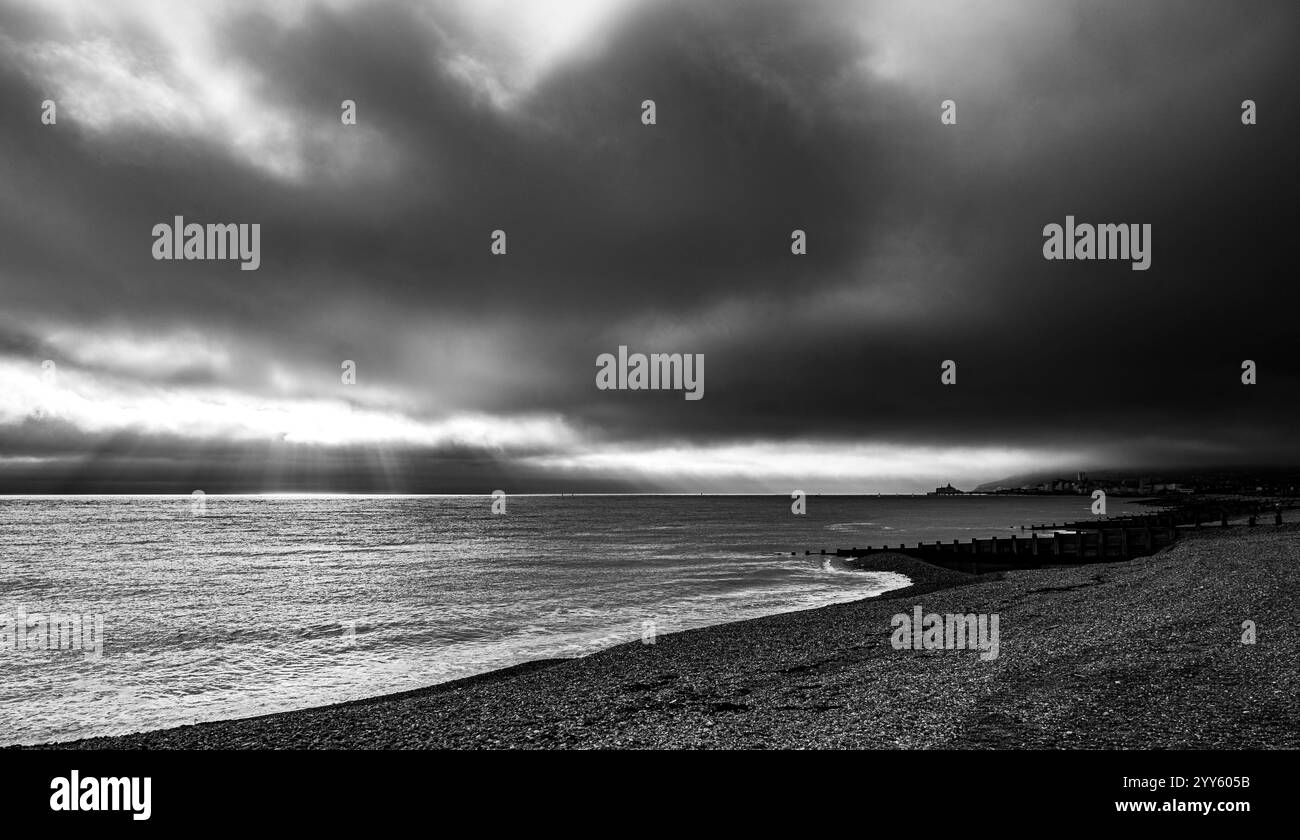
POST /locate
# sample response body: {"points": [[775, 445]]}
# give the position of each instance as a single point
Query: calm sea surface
{"points": [[267, 603]]}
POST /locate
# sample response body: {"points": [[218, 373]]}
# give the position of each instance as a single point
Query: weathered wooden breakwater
{"points": [[1000, 553], [1074, 543]]}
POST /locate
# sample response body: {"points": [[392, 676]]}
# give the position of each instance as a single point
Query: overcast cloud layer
{"points": [[477, 372]]}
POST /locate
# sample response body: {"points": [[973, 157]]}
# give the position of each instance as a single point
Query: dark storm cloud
{"points": [[924, 240]]}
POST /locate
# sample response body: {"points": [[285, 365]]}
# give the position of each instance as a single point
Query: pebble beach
{"points": [[1148, 653]]}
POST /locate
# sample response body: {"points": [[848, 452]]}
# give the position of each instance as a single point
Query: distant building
{"points": [[945, 491]]}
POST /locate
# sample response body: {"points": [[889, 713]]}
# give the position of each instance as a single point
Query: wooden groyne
{"points": [[1001, 553], [1075, 543]]}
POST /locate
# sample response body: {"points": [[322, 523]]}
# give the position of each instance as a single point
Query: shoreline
{"points": [[1168, 670]]}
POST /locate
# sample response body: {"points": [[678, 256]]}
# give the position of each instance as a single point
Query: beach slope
{"points": [[1143, 654]]}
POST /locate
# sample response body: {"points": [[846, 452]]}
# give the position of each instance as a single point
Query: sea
{"points": [[196, 609]]}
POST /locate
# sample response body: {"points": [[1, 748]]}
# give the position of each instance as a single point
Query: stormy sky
{"points": [[476, 371]]}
